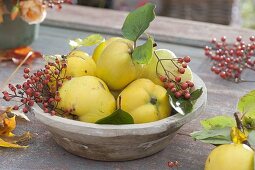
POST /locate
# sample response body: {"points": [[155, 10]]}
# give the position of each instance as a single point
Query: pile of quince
{"points": [[111, 80]]}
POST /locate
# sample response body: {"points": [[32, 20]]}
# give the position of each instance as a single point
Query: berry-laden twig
{"points": [[230, 60], [41, 87], [176, 86]]}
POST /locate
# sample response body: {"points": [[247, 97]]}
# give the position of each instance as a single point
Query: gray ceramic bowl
{"points": [[118, 142]]}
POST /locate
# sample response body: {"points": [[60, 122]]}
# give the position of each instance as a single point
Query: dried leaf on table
{"points": [[7, 125], [17, 55]]}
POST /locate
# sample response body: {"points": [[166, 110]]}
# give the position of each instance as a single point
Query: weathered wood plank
{"points": [[163, 28]]}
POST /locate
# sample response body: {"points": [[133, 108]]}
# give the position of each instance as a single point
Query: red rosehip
{"points": [[16, 107], [187, 96], [184, 86], [25, 110], [186, 59], [178, 79], [223, 39], [223, 74], [181, 70], [26, 70], [163, 78], [252, 38], [31, 103], [239, 38], [184, 65], [178, 94]]}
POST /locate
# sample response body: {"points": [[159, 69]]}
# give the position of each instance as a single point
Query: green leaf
{"points": [[91, 40], [52, 58], [181, 106], [143, 54], [246, 103], [118, 117], [215, 136], [138, 21], [196, 94], [218, 122], [251, 138]]}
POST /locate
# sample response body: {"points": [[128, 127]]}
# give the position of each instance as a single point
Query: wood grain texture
{"points": [[44, 153], [163, 28]]}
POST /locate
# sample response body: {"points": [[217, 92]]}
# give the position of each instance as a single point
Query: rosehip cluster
{"points": [[40, 87], [176, 86], [230, 60]]}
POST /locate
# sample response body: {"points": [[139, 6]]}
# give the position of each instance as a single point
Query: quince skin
{"points": [[88, 96], [115, 66], [145, 101]]}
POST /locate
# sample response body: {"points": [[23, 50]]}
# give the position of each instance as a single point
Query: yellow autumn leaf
{"points": [[10, 145], [238, 136], [11, 141], [7, 122], [7, 125]]}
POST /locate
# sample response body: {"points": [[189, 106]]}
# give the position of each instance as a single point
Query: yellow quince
{"points": [[145, 101], [100, 48], [88, 97], [150, 70], [231, 157], [79, 64]]}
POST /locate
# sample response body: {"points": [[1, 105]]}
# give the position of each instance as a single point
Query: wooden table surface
{"points": [[44, 153]]}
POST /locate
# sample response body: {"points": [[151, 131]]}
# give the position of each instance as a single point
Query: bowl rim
{"points": [[162, 124]]}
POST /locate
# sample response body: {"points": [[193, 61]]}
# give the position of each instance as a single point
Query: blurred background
{"points": [[226, 12]]}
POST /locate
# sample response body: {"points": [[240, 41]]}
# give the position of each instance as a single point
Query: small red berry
{"points": [[178, 79], [223, 39], [25, 110], [214, 40], [223, 74], [187, 96], [181, 70], [31, 103], [178, 94], [186, 59], [252, 38], [184, 86], [239, 38], [16, 107], [26, 70], [184, 65], [163, 78]]}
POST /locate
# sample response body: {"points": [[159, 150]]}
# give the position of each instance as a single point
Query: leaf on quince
{"points": [[91, 40], [118, 117], [218, 122], [215, 136], [196, 94], [138, 21], [143, 54]]}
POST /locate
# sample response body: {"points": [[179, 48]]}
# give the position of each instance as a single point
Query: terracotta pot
{"points": [[118, 142]]}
